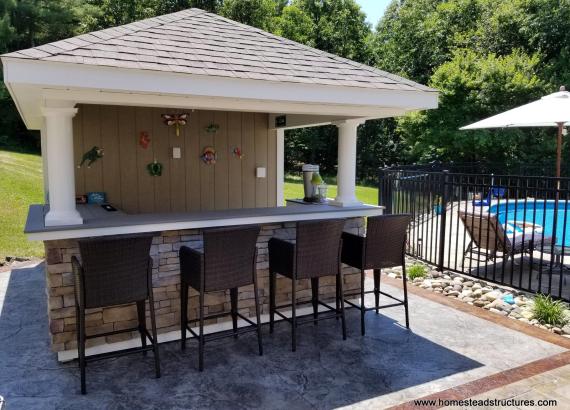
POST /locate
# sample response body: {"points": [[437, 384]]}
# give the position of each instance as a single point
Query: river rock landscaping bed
{"points": [[503, 301]]}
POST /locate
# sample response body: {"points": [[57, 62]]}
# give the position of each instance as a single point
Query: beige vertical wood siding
{"points": [[186, 184]]}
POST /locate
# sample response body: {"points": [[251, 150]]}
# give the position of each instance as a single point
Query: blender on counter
{"points": [[313, 184]]}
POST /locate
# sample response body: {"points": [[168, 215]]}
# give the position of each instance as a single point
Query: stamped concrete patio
{"points": [[446, 349]]}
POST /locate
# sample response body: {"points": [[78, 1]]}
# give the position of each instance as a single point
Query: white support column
{"points": [[280, 180], [61, 169], [346, 172], [43, 142]]}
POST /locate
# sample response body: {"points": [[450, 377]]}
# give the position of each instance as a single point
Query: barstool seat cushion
{"points": [[193, 261], [353, 250], [282, 256]]}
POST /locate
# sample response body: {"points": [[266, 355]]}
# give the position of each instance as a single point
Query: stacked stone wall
{"points": [[166, 287]]}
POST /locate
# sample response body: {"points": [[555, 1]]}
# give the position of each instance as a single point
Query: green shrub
{"points": [[417, 270], [549, 311]]}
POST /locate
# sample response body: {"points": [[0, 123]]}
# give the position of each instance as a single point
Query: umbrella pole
{"points": [[557, 194], [559, 149]]}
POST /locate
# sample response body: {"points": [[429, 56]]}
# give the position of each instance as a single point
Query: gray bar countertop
{"points": [[99, 222]]}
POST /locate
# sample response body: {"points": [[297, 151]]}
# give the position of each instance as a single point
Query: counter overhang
{"points": [[105, 224]]}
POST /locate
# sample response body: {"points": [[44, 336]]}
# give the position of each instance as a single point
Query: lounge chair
{"points": [[483, 202], [488, 236], [494, 192]]}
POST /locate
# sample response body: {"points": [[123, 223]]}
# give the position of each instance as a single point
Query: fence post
{"points": [[444, 200], [385, 191]]}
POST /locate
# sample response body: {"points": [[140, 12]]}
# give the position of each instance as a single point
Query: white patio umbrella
{"points": [[552, 110]]}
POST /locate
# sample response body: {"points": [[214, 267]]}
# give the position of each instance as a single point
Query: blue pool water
{"points": [[539, 212]]}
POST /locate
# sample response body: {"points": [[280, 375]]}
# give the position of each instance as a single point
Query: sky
{"points": [[374, 9]]}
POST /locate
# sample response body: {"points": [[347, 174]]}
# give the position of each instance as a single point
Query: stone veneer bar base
{"points": [[166, 287]]}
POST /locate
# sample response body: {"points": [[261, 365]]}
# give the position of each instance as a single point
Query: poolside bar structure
{"points": [[181, 122]]}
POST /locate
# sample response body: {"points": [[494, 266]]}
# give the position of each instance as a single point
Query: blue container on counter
{"points": [[96, 198]]}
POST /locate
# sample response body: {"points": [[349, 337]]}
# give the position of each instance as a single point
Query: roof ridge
{"points": [[139, 26], [317, 51]]}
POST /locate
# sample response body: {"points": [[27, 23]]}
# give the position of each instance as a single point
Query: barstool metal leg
{"points": [[272, 280], [201, 333], [405, 280], [154, 335], [234, 309], [377, 289], [141, 314], [183, 314], [362, 304], [315, 299], [257, 314], [340, 280], [81, 349], [293, 315], [338, 297]]}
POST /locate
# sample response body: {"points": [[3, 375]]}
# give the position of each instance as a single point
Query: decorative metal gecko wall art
{"points": [[91, 156]]}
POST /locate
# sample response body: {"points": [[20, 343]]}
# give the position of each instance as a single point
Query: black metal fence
{"points": [[546, 169], [509, 229]]}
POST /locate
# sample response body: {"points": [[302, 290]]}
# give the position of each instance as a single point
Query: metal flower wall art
{"points": [[178, 120], [209, 155], [144, 139], [91, 156]]}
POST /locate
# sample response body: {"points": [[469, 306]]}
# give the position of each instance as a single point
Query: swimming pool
{"points": [[540, 212]]}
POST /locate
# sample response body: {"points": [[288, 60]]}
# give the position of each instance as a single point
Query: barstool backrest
{"points": [[385, 241], [229, 257], [318, 248], [115, 270]]}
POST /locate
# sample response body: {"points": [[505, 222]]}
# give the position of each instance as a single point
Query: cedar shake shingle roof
{"points": [[196, 42]]}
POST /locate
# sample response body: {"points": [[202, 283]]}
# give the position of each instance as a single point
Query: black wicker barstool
{"points": [[114, 271], [315, 253], [227, 262], [382, 247]]}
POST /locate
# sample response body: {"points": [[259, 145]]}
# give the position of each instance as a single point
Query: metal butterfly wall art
{"points": [[177, 120]]}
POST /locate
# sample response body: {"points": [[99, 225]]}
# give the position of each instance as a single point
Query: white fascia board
{"points": [[47, 74], [57, 74]]}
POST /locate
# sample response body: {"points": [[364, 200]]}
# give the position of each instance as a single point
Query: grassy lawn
{"points": [[294, 189], [20, 185]]}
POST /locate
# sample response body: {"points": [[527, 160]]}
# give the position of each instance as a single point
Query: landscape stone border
{"points": [[478, 292]]}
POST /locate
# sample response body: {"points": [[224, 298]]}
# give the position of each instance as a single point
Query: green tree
{"points": [[403, 41], [256, 13], [473, 87], [212, 6], [24, 24], [485, 57], [296, 25], [340, 27]]}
